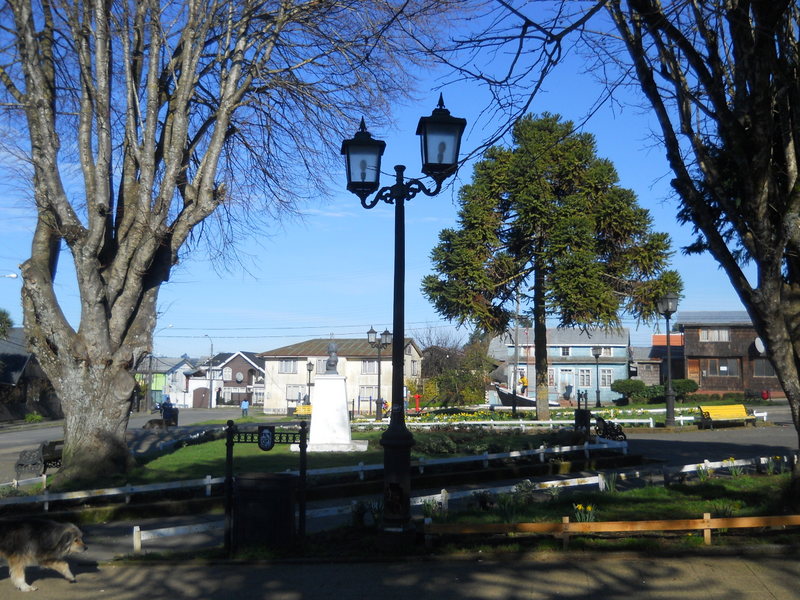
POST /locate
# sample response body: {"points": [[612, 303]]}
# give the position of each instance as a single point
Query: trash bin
{"points": [[264, 509], [583, 418]]}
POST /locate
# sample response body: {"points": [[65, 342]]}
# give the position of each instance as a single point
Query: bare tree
{"points": [[172, 112], [722, 78]]}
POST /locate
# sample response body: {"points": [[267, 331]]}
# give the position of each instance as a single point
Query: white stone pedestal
{"points": [[330, 421]]}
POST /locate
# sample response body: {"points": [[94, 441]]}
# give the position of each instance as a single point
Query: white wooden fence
{"points": [[442, 499]]}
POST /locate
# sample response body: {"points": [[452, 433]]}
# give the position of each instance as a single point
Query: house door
{"points": [[200, 398], [693, 369], [566, 383]]}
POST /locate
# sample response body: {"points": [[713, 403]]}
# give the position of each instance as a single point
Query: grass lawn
{"points": [[197, 461]]}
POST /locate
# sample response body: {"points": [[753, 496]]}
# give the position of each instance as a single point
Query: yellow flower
{"points": [[579, 506], [589, 508]]}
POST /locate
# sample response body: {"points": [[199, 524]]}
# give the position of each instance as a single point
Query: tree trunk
{"points": [[97, 401], [540, 345]]}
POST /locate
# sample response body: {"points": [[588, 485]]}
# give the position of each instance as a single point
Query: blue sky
{"points": [[330, 272]]}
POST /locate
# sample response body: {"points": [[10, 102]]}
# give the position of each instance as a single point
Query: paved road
{"points": [[539, 577], [14, 438]]}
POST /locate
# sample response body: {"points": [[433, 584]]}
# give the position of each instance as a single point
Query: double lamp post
{"points": [[440, 137]]}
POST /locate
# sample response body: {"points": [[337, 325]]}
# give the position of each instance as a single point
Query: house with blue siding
{"points": [[572, 367]]}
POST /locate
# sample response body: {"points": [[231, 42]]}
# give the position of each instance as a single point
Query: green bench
{"points": [[724, 414]]}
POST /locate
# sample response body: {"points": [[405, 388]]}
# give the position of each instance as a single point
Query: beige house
{"points": [[289, 372]]}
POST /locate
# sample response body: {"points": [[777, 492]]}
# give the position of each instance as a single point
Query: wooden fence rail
{"points": [[566, 528]]}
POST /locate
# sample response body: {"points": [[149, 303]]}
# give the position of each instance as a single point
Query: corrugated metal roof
{"points": [[351, 348], [569, 336], [731, 317]]}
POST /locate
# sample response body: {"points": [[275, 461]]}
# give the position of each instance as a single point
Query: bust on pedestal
{"points": [[330, 420]]}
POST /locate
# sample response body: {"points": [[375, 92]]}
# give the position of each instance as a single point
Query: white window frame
{"points": [[606, 377], [287, 365], [369, 366], [584, 378], [607, 351], [566, 351], [227, 374], [296, 391], [714, 334]]}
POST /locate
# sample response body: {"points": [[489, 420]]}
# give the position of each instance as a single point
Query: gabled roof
{"points": [[251, 357], [731, 317], [349, 348], [569, 336], [14, 356]]}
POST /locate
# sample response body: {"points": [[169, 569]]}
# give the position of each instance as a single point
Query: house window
{"points": [[415, 368], [584, 378], [227, 374], [322, 365], [720, 367], [714, 335], [258, 397], [408, 350], [565, 350], [368, 392], [287, 365], [606, 377], [295, 392], [763, 368], [606, 351], [369, 367]]}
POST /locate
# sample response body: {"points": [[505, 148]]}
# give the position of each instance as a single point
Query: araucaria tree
{"points": [[139, 120], [546, 221]]}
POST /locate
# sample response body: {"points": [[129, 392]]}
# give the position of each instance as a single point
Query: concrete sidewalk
{"points": [[529, 577]]}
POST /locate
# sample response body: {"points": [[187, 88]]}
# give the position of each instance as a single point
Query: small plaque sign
{"points": [[266, 437]]}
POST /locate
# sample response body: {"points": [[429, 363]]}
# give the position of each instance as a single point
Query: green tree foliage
{"points": [[547, 219]]}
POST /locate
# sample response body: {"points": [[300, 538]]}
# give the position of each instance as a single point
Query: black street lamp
{"points": [[380, 343], [596, 352], [440, 137], [309, 369], [667, 306]]}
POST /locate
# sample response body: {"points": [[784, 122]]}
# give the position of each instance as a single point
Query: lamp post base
{"points": [[397, 442]]}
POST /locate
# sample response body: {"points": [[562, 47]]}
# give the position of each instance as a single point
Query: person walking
{"points": [[523, 381], [245, 405]]}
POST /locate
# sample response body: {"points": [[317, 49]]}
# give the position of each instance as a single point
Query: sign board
{"points": [[266, 437]]}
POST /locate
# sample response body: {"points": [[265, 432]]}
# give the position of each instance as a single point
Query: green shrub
{"points": [[733, 397], [683, 387], [629, 388], [33, 418], [654, 394], [436, 443]]}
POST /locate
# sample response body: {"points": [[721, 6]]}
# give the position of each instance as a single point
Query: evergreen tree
{"points": [[546, 221]]}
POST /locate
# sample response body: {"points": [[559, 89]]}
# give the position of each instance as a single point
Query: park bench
{"points": [[38, 460], [724, 414], [304, 410]]}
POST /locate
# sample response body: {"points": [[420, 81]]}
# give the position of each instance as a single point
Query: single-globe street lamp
{"points": [[440, 137], [596, 352], [309, 369], [380, 343], [667, 306]]}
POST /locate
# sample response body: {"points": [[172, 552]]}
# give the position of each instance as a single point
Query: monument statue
{"points": [[333, 360]]}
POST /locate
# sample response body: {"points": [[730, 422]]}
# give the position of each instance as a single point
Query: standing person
{"points": [[244, 406], [523, 381]]}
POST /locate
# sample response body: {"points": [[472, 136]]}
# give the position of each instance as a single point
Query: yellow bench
{"points": [[304, 410], [726, 413]]}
